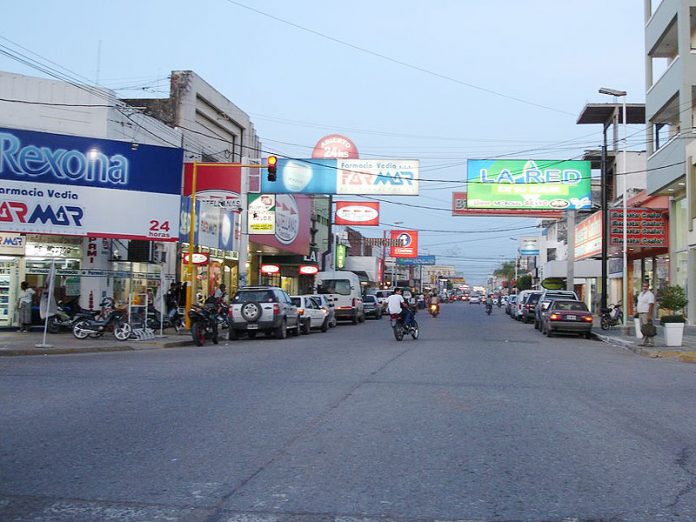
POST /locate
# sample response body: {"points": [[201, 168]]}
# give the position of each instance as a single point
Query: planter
{"points": [[636, 321], [674, 333]]}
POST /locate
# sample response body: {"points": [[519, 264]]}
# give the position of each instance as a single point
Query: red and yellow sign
{"points": [[407, 241]]}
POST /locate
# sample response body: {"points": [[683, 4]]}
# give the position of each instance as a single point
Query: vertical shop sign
{"points": [[340, 256]]}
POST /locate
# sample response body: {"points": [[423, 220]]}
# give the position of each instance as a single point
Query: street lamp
{"points": [[624, 186]]}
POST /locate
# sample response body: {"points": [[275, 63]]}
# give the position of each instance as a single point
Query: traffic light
{"points": [[272, 164]]}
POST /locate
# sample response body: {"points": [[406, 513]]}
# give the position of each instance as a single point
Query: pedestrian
{"points": [[25, 297], [221, 293], [172, 300], [645, 305]]}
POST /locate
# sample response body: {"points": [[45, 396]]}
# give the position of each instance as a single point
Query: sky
{"points": [[441, 81]]}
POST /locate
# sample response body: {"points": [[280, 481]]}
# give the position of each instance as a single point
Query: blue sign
{"points": [[302, 176], [41, 157], [226, 227], [420, 260]]}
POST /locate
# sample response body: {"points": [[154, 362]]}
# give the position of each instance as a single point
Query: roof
{"points": [[604, 112]]}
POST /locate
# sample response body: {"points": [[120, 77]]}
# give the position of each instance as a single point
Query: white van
{"points": [[343, 289]]}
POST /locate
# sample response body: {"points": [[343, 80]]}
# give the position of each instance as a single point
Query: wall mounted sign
{"points": [[645, 228], [357, 213], [529, 184], [270, 269], [262, 213], [308, 269], [199, 258]]}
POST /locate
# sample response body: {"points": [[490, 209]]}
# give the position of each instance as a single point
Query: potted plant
{"points": [[674, 299], [636, 322]]}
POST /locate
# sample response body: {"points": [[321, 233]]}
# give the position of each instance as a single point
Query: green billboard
{"points": [[529, 184]]}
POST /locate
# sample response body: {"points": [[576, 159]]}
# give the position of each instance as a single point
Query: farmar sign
{"points": [[344, 177], [68, 185], [357, 213], [529, 184]]}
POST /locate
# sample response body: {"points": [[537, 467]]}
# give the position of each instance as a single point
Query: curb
{"points": [[95, 349], [682, 356]]}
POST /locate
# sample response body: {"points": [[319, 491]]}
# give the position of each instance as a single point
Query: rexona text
{"points": [[566, 177], [61, 164]]}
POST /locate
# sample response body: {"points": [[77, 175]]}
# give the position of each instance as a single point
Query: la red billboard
{"points": [[407, 241], [357, 213]]}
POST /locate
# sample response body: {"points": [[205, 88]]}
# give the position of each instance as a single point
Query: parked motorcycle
{"points": [[611, 316], [171, 320], [67, 315], [204, 323], [109, 319], [434, 309]]}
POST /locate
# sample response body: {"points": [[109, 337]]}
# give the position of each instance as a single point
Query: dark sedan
{"points": [[567, 317], [372, 307]]}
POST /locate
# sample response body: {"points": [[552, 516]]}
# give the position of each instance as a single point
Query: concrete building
{"points": [[670, 82]]}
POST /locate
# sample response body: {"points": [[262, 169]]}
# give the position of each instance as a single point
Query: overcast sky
{"points": [[442, 81]]}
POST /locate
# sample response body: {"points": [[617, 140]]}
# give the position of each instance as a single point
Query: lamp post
{"points": [[624, 187]]}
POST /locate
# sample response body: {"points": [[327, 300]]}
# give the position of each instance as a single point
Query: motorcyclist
{"points": [[435, 301], [397, 305], [489, 302]]}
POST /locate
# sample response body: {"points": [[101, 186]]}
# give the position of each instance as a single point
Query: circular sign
{"points": [[308, 269], [404, 239], [270, 269], [198, 259], [335, 146], [287, 219]]}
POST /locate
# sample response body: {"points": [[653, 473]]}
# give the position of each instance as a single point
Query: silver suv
{"points": [[266, 309]]}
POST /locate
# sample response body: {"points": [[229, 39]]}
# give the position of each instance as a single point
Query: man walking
{"points": [[646, 302]]}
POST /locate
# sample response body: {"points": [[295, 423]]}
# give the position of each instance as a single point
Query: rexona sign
{"points": [[68, 185], [529, 184], [357, 213], [344, 176]]}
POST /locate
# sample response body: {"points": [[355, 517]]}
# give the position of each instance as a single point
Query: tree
{"points": [[506, 271], [524, 282]]}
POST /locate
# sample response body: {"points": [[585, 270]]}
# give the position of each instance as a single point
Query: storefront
{"points": [[64, 201]]}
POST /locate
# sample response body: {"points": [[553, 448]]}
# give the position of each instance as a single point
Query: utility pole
{"points": [[570, 271]]}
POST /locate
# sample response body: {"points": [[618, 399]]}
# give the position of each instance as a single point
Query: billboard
{"points": [[70, 185], [261, 210], [344, 176], [215, 226], [529, 246], [407, 243], [418, 260], [357, 213], [335, 146], [293, 225], [529, 184], [460, 208], [588, 237], [645, 228]]}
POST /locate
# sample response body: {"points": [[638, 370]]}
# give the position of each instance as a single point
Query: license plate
{"points": [[571, 317], [253, 326]]}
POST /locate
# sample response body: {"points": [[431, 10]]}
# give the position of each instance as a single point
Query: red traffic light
{"points": [[271, 165]]}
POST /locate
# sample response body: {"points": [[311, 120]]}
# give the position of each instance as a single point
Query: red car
{"points": [[568, 317]]}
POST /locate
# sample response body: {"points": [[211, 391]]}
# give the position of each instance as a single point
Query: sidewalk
{"points": [[15, 343], [625, 337]]}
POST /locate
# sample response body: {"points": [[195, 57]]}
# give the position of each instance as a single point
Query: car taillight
{"points": [[587, 318], [300, 311], [276, 309], [554, 317], [355, 301], [229, 312]]}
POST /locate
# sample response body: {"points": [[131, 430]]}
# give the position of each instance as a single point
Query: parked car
{"points": [[328, 308], [265, 309], [382, 296], [474, 299], [372, 307], [545, 301], [567, 316], [529, 305], [511, 303], [311, 315], [343, 289]]}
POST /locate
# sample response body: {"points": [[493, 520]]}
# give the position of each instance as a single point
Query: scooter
{"points": [[204, 323], [67, 315], [110, 318], [611, 316], [434, 309], [171, 320]]}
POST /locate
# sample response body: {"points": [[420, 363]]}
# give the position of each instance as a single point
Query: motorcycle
{"points": [[434, 309], [399, 327], [67, 314], [489, 308], [204, 323], [611, 316], [109, 318], [171, 320]]}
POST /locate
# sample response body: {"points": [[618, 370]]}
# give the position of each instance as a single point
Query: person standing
{"points": [[25, 297], [646, 303]]}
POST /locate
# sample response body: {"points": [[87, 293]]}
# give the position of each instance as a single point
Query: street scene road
{"points": [[481, 418]]}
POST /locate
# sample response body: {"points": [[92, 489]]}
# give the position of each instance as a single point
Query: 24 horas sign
{"points": [[529, 184]]}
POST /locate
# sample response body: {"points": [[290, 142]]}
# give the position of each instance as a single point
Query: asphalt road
{"points": [[482, 418]]}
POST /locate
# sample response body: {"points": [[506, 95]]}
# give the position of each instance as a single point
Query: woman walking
{"points": [[24, 299]]}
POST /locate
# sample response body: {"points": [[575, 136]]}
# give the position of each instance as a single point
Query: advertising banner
{"points": [[213, 180], [645, 228], [533, 184], [588, 237], [418, 260], [357, 213], [344, 176], [293, 224], [69, 185], [261, 209], [407, 243], [214, 228], [460, 208]]}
